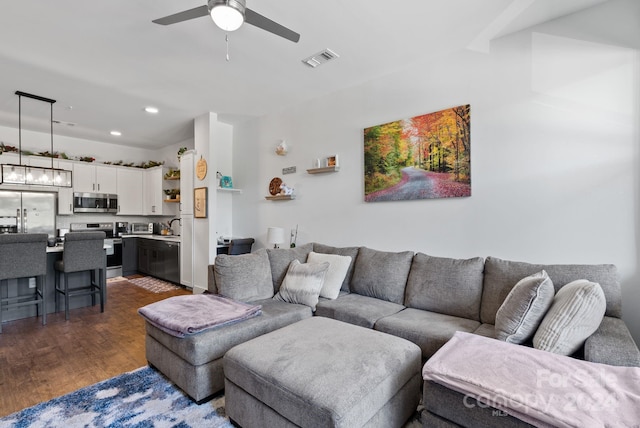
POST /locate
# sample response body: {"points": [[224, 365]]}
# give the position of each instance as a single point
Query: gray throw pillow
{"points": [[302, 283], [281, 258], [381, 274], [576, 313], [524, 308], [245, 277]]}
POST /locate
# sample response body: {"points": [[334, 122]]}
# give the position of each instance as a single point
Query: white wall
{"points": [[554, 130]]}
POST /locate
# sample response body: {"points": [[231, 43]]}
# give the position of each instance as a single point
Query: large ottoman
{"points": [[194, 362], [320, 372]]}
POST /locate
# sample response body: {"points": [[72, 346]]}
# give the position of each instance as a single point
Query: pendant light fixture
{"points": [[34, 175]]}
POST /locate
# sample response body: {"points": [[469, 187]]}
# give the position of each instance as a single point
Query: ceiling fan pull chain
{"points": [[226, 39]]}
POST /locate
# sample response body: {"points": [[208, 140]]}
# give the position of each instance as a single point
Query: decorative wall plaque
{"points": [[201, 169]]}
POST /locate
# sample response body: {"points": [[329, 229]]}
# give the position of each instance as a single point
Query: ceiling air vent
{"points": [[320, 58]]}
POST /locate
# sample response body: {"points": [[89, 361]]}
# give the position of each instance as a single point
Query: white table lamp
{"points": [[275, 236]]}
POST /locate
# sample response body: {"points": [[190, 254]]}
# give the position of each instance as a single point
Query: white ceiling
{"points": [[105, 61]]}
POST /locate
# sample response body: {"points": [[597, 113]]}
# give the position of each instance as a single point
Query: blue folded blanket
{"points": [[183, 315]]}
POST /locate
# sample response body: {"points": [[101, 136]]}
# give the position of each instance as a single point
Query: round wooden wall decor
{"points": [[201, 169], [274, 186]]}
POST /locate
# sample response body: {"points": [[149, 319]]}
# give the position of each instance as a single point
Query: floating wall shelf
{"points": [[323, 169], [280, 197], [226, 189]]}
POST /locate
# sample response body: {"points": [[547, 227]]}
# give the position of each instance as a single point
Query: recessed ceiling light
{"points": [[152, 110], [116, 133]]}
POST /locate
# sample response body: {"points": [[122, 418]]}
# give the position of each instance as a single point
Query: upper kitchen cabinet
{"points": [[153, 188], [130, 191], [94, 179]]}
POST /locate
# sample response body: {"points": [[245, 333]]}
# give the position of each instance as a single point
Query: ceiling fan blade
{"points": [[266, 24], [196, 12]]}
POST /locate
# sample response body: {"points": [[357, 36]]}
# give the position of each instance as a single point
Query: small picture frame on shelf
{"points": [[200, 202], [226, 182], [332, 161]]}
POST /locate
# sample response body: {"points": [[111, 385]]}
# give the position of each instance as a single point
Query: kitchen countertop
{"points": [[166, 238], [60, 248]]}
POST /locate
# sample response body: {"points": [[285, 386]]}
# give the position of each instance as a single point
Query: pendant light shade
{"points": [[227, 14], [34, 175]]}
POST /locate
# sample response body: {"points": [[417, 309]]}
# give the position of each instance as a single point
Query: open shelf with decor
{"points": [[227, 189], [324, 169], [280, 197]]}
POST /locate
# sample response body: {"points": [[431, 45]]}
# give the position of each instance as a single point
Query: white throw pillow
{"points": [[338, 267], [524, 308], [576, 313], [302, 283]]}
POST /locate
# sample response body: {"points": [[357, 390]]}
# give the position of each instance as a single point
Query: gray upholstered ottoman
{"points": [[320, 372], [194, 363]]}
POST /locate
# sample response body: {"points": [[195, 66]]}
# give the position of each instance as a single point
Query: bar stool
{"points": [[240, 246], [83, 251], [24, 255]]}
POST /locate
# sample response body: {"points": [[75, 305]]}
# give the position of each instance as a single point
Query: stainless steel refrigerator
{"points": [[28, 212]]}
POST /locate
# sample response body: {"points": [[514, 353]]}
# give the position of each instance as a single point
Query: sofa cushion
{"points": [[302, 283], [281, 258], [341, 251], [524, 308], [576, 313], [381, 274], [428, 330], [356, 309], [245, 277], [447, 286], [486, 330], [501, 275], [338, 267]]}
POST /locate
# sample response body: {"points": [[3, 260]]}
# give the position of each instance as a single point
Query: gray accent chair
{"points": [[23, 255], [240, 246], [83, 251]]}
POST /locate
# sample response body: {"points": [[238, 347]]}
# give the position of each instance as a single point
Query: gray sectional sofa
{"points": [[420, 298]]}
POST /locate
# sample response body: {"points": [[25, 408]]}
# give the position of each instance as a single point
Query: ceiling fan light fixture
{"points": [[227, 14]]}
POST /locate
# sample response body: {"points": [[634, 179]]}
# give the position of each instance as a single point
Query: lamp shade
{"points": [[275, 235], [228, 14]]}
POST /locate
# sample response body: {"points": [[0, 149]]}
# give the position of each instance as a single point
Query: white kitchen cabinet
{"points": [[154, 197], [186, 250], [94, 179], [186, 183], [130, 191], [65, 194]]}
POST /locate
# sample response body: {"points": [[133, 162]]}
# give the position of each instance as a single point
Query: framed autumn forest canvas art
{"points": [[424, 157]]}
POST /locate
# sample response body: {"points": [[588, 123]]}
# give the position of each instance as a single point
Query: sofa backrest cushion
{"points": [[245, 277], [381, 274], [344, 251], [500, 276], [281, 258], [447, 286]]}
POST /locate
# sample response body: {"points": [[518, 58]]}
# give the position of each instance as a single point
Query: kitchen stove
{"points": [[114, 244]]}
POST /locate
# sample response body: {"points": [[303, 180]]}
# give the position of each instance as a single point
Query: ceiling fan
{"points": [[229, 15]]}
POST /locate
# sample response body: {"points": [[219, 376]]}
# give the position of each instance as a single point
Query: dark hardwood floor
{"points": [[38, 363]]}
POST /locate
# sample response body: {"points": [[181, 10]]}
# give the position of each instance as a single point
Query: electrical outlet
{"points": [[32, 283]]}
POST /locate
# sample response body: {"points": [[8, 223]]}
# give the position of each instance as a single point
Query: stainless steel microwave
{"points": [[95, 203]]}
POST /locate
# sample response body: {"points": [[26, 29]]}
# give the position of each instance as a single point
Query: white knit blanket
{"points": [[538, 387]]}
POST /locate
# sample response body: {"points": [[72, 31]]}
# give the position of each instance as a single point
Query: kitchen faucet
{"points": [[172, 220]]}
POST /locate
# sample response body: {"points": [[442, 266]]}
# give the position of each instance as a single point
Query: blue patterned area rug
{"points": [[141, 398]]}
